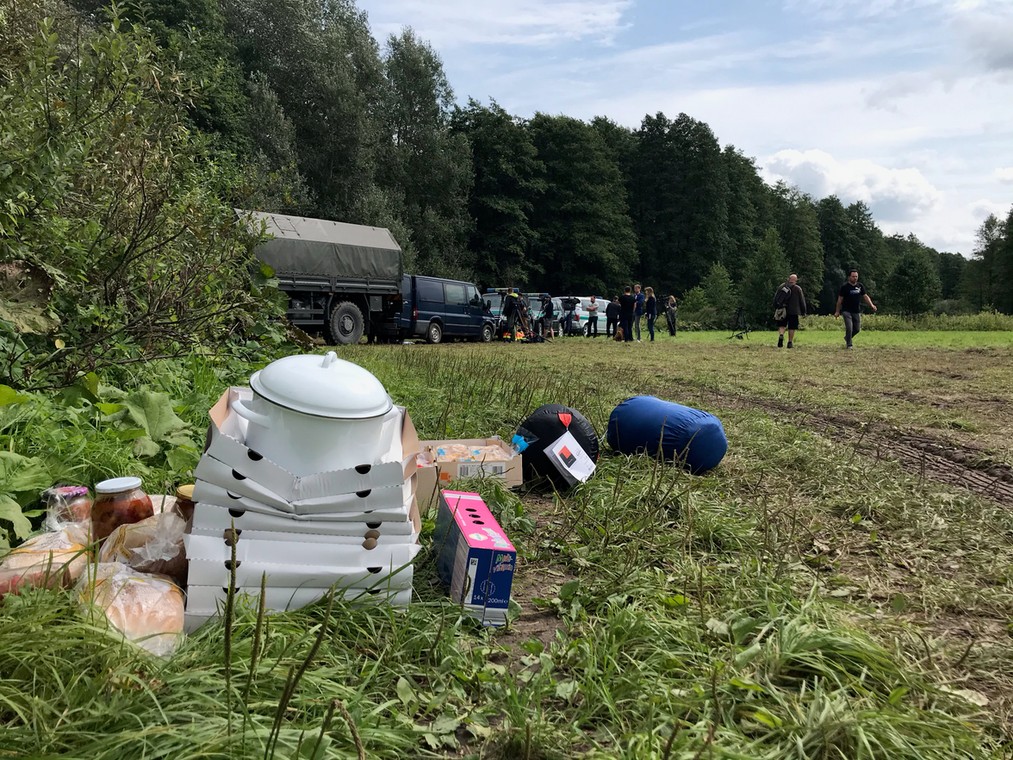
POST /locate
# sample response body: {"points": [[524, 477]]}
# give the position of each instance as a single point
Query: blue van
{"points": [[436, 309]]}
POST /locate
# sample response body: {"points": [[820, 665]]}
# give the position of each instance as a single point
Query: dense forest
{"points": [[129, 132]]}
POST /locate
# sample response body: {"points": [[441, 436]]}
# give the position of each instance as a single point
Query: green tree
{"points": [[679, 200], [913, 286], [765, 270], [841, 248], [981, 284], [426, 168], [508, 180], [585, 241], [117, 202], [798, 228], [750, 212]]}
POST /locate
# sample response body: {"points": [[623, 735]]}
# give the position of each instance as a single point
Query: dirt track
{"points": [[925, 456]]}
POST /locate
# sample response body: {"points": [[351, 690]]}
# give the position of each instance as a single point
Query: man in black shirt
{"points": [[627, 305], [849, 303], [612, 317], [789, 305]]}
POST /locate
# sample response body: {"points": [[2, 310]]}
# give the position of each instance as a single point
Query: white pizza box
{"points": [[355, 539], [213, 517], [227, 433], [207, 601], [224, 498], [217, 473], [297, 563]]}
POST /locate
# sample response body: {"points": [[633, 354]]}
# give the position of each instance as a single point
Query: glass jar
{"points": [[67, 504], [184, 501], [118, 501]]}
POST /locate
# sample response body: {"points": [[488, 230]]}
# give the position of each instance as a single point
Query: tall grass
{"points": [[985, 321], [681, 616]]}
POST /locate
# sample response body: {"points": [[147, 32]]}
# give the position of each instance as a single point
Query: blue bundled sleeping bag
{"points": [[641, 423]]}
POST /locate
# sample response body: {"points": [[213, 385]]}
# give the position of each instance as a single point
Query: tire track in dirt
{"points": [[934, 459]]}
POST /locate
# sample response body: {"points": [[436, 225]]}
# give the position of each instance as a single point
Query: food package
{"points": [[146, 609], [48, 560], [459, 452], [153, 545]]}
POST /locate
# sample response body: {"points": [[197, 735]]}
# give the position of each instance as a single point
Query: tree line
{"points": [[130, 130]]}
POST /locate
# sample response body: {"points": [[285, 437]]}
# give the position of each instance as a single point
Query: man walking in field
{"points": [[789, 305], [849, 303]]}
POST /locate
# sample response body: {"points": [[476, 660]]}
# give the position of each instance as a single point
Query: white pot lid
{"points": [[322, 386]]}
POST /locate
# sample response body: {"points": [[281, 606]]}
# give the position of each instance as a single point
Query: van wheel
{"points": [[435, 333], [346, 323], [486, 333]]}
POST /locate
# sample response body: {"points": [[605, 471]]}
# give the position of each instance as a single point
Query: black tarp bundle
{"points": [[543, 427]]}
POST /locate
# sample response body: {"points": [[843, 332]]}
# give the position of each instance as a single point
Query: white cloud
{"points": [[894, 195], [1004, 174], [985, 31], [527, 23]]}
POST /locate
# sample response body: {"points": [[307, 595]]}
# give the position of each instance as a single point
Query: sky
{"points": [[906, 105]]}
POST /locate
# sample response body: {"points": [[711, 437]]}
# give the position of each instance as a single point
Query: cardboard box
{"points": [[475, 559], [214, 518], [433, 474], [227, 434], [211, 471], [206, 601], [297, 563]]}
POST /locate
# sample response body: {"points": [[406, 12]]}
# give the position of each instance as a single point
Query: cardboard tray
{"points": [[204, 602], [227, 433], [246, 495], [297, 563], [211, 471], [212, 518]]}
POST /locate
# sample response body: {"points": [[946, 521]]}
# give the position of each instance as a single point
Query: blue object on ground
{"points": [[646, 424]]}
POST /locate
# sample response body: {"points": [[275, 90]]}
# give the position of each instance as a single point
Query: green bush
{"points": [[986, 321]]}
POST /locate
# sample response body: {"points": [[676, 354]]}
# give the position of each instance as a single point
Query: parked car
{"points": [[436, 308]]}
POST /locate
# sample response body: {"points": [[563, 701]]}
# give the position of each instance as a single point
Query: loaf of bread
{"points": [[146, 609], [46, 560]]}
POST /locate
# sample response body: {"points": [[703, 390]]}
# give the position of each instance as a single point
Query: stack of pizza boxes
{"points": [[353, 529]]}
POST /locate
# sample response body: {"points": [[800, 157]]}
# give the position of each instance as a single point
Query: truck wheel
{"points": [[486, 333], [435, 333], [346, 323]]}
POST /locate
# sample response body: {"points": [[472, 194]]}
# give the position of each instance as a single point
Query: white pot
{"points": [[314, 413]]}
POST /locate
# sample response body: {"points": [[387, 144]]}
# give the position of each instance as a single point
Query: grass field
{"points": [[840, 587]]}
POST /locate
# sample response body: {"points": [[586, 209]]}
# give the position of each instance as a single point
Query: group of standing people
{"points": [[624, 314], [790, 305]]}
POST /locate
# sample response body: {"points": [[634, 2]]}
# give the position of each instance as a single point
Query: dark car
{"points": [[436, 308]]}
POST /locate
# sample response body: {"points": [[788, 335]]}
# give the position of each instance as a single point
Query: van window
{"points": [[430, 291], [456, 294]]}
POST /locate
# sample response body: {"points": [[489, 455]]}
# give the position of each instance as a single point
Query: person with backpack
{"points": [[789, 305]]}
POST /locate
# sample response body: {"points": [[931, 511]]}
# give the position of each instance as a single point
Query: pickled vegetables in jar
{"points": [[118, 501]]}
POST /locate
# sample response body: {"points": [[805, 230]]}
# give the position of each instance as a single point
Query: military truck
{"points": [[344, 279]]}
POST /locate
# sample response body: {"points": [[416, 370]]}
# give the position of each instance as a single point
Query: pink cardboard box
{"points": [[476, 559]]}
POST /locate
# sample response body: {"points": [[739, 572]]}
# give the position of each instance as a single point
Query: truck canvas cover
{"points": [[321, 248]]}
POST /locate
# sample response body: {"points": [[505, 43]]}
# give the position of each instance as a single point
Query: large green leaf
{"points": [[153, 412], [10, 511], [19, 474], [21, 480]]}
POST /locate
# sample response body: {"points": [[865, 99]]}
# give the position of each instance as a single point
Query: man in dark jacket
{"points": [[612, 317], [627, 308], [789, 305]]}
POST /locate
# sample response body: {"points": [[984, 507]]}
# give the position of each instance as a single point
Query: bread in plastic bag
{"points": [[47, 560], [153, 545], [146, 609]]}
